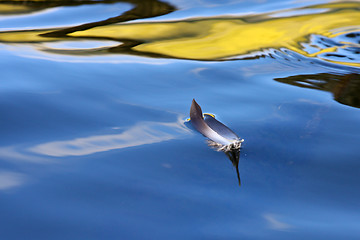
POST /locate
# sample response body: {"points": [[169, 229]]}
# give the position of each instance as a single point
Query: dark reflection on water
{"points": [[142, 9], [345, 88], [234, 157]]}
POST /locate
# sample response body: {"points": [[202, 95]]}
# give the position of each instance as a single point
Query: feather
{"points": [[223, 138], [220, 136]]}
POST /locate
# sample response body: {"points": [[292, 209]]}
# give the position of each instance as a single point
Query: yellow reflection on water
{"points": [[10, 8], [214, 38]]}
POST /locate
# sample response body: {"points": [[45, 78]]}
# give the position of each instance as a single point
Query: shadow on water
{"points": [[345, 88]]}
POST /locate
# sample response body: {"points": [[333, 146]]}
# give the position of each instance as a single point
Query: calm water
{"points": [[93, 99]]}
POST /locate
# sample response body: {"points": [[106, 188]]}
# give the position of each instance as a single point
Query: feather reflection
{"points": [[234, 156]]}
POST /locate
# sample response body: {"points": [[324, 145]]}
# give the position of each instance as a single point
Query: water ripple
{"points": [[327, 34]]}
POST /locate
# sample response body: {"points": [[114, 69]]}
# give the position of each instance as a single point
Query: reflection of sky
{"points": [[63, 16], [140, 134], [10, 179], [27, 51], [274, 222], [200, 8], [297, 12], [14, 153], [82, 44]]}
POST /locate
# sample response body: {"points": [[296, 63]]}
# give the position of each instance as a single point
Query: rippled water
{"points": [[93, 101]]}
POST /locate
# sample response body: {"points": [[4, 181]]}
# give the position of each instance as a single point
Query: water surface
{"points": [[94, 96]]}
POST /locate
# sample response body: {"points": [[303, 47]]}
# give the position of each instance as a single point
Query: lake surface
{"points": [[94, 97]]}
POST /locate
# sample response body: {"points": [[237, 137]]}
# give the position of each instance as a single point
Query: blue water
{"points": [[95, 147]]}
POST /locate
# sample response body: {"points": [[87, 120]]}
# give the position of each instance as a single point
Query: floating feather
{"points": [[220, 136]]}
